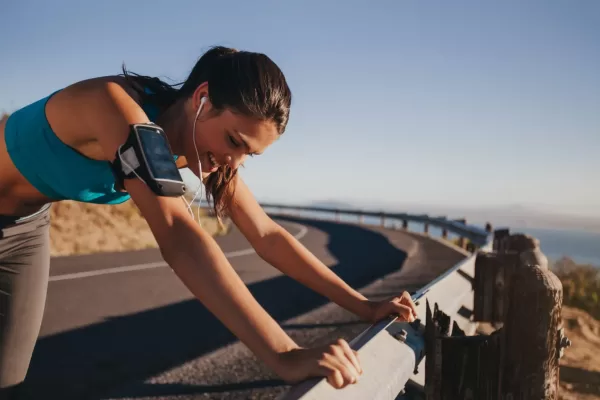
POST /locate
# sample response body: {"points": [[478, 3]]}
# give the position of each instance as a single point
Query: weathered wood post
{"points": [[528, 248], [444, 229], [531, 336], [462, 241], [500, 236], [458, 366], [405, 224], [493, 273], [520, 360], [426, 228], [382, 219]]}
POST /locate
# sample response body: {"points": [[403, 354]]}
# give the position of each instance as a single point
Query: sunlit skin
{"points": [[93, 117], [226, 136]]}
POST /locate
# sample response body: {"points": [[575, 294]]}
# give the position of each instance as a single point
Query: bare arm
{"points": [[198, 261], [191, 252], [280, 249], [203, 268]]}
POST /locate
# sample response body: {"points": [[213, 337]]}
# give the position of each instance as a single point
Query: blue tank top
{"points": [[55, 169]]}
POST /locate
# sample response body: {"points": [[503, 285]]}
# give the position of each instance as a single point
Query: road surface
{"points": [[122, 326]]}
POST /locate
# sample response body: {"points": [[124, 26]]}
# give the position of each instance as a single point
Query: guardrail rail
{"points": [[504, 282]]}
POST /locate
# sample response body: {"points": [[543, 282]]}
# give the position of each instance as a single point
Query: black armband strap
{"points": [[146, 155]]}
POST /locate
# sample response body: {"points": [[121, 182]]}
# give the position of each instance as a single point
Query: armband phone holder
{"points": [[146, 155]]}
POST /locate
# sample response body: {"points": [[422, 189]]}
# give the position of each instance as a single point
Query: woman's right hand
{"points": [[337, 362]]}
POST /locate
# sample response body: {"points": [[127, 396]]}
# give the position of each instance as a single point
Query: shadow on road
{"points": [[155, 390], [84, 362]]}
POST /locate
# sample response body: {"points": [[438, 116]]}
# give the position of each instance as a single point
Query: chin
{"points": [[206, 174]]}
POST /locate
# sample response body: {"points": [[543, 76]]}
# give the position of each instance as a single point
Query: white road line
{"points": [[158, 264]]}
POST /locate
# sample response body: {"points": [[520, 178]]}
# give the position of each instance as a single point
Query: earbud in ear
{"points": [[201, 106]]}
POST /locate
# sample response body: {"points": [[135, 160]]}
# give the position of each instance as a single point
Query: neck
{"points": [[173, 123]]}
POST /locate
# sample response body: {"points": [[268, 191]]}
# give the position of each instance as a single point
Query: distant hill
{"points": [[515, 215]]}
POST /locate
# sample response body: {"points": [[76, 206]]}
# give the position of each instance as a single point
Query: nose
{"points": [[235, 161]]}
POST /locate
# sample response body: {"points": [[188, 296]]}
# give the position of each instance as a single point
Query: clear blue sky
{"points": [[478, 102]]}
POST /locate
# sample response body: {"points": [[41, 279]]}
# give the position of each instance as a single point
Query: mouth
{"points": [[213, 164]]}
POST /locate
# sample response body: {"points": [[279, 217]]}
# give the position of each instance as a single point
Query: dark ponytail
{"points": [[246, 83]]}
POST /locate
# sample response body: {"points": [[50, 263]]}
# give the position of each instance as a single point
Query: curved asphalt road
{"points": [[122, 326]]}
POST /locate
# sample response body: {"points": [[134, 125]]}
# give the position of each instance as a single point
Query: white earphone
{"points": [[202, 101], [189, 205]]}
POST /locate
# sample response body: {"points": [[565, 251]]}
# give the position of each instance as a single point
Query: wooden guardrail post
{"points": [[462, 241], [444, 229], [458, 366], [494, 273], [520, 360], [500, 236], [528, 248], [532, 336]]}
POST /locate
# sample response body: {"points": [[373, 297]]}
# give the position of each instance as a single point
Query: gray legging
{"points": [[24, 270]]}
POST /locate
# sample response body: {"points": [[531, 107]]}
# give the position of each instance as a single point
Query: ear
{"points": [[200, 92]]}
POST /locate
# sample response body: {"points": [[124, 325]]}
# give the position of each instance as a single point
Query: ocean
{"points": [[581, 246]]}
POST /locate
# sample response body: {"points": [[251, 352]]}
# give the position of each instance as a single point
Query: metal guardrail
{"points": [[392, 353], [476, 234]]}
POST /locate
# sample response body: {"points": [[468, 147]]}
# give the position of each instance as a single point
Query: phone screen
{"points": [[160, 159]]}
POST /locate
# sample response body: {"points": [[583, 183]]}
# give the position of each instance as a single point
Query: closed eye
{"points": [[236, 143], [233, 142]]}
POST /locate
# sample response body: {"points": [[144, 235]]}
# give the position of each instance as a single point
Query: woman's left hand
{"points": [[401, 306]]}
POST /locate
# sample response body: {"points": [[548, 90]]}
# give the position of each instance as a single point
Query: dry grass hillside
{"points": [[79, 228], [580, 365]]}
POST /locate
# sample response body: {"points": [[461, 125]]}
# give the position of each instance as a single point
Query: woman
{"points": [[233, 104]]}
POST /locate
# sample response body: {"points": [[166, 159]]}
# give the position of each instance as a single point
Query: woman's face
{"points": [[225, 138]]}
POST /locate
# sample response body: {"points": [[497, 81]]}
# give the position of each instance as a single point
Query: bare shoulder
{"points": [[106, 107], [93, 115]]}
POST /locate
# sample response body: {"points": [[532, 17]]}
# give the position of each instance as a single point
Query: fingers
{"points": [[407, 299], [340, 365], [404, 312], [351, 355], [404, 307], [336, 379]]}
